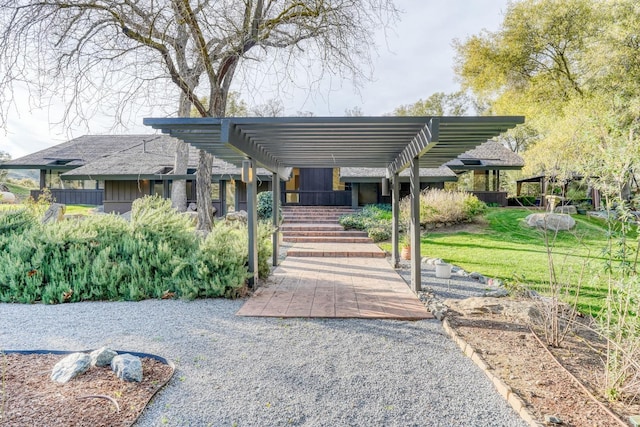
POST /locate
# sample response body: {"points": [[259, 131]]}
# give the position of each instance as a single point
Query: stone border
{"points": [[505, 391]]}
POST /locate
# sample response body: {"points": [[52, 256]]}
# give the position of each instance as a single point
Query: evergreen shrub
{"points": [[104, 257]]}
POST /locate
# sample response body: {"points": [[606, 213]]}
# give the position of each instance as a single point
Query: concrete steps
{"points": [[316, 232]]}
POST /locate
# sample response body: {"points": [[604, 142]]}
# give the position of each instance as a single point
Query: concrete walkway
{"points": [[336, 287]]}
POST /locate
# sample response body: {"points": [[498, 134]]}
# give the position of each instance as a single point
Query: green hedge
{"points": [[105, 257]]}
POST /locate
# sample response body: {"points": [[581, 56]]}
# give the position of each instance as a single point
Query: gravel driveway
{"points": [[235, 371]]}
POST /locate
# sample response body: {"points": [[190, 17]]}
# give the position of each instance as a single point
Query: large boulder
{"points": [[7, 197], [551, 221], [240, 216], [55, 213], [525, 310], [70, 367], [566, 209], [127, 367], [102, 356]]}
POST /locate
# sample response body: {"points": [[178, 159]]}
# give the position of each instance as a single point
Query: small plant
{"points": [[265, 206]]}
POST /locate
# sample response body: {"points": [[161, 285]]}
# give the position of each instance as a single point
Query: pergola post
{"points": [[416, 277], [249, 176], [395, 224], [275, 192], [355, 189]]}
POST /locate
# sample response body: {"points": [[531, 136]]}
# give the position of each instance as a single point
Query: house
{"points": [[114, 170]]}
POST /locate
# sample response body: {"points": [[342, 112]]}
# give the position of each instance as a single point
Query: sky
{"points": [[414, 60]]}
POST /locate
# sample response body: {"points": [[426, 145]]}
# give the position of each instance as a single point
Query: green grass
{"points": [[517, 254], [20, 191]]}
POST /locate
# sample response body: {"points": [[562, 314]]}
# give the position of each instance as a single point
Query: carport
{"points": [[281, 143]]}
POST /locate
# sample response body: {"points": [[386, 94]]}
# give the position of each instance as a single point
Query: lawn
{"points": [[517, 254]]}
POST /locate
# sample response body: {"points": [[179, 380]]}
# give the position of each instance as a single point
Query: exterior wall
{"points": [[73, 197], [119, 195]]}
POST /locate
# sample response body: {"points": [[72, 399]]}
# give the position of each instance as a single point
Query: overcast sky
{"points": [[415, 61]]}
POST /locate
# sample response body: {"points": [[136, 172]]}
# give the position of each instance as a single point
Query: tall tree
{"points": [[437, 104], [84, 50]]}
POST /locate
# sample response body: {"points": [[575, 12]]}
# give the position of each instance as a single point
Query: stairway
{"points": [[316, 232]]}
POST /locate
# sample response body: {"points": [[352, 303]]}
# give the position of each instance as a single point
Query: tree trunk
{"points": [[181, 163], [203, 188]]}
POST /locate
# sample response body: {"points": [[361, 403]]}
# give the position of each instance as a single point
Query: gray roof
{"points": [[490, 155], [76, 152], [440, 174], [117, 157]]}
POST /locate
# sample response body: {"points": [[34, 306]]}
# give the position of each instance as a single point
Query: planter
{"points": [[406, 252], [443, 270]]}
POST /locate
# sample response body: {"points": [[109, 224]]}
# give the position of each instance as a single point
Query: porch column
{"points": [[252, 218], [275, 191], [416, 277], [355, 189], [395, 224]]}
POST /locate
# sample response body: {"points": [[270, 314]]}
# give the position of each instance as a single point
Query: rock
{"points": [[567, 209], [126, 216], [475, 275], [102, 356], [192, 207], [498, 293], [7, 197], [4, 188], [520, 310], [70, 367], [55, 213], [439, 315], [552, 420], [551, 221], [127, 367], [237, 216]]}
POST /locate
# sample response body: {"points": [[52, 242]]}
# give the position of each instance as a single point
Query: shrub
{"points": [[265, 206], [375, 219], [105, 257], [442, 206]]}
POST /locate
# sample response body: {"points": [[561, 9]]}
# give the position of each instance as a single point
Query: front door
{"points": [[314, 187]]}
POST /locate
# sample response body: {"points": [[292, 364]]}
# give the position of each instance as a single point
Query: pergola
{"points": [[280, 143]]}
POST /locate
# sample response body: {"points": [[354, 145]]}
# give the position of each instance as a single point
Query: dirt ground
{"points": [[28, 397], [512, 352]]}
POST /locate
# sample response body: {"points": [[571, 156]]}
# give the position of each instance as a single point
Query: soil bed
{"points": [[31, 398]]}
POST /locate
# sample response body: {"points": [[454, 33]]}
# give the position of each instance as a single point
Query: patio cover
{"points": [[394, 143]]}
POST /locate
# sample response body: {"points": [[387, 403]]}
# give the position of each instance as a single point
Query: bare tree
{"points": [[84, 50]]}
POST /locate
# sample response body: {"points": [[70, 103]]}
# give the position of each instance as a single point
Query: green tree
{"points": [[438, 104]]}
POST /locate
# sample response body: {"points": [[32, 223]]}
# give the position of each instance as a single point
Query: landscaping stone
{"points": [[102, 356], [70, 367], [55, 213], [192, 207], [497, 293], [552, 420], [568, 209], [127, 367], [522, 310], [237, 216], [551, 221], [7, 197]]}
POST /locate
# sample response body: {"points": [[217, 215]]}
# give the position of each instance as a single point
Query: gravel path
{"points": [[234, 371]]}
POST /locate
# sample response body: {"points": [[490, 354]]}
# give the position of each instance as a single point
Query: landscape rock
{"points": [[567, 209], [192, 207], [237, 216], [4, 188], [55, 213], [551, 221], [552, 420], [7, 197], [102, 356], [70, 367], [497, 293], [521, 310], [126, 216], [127, 367]]}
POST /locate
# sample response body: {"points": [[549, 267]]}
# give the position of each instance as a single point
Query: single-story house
{"points": [[114, 170]]}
